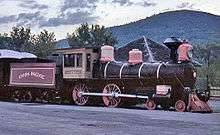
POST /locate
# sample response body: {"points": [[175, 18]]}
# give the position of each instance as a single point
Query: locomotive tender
{"points": [[87, 72]]}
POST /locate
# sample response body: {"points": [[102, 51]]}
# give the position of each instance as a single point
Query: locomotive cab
{"points": [[78, 62]]}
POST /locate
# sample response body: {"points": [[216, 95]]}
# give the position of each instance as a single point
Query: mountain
{"points": [[199, 28]]}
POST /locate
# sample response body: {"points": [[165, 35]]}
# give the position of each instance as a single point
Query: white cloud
{"points": [[110, 12]]}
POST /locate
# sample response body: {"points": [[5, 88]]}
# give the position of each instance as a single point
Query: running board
{"points": [[113, 95]]}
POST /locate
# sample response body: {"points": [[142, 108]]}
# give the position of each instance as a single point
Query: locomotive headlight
{"points": [[194, 74]]}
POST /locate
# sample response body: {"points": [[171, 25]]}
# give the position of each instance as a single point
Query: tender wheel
{"points": [[110, 101], [150, 104], [16, 95], [78, 98], [45, 96], [180, 106], [27, 96]]}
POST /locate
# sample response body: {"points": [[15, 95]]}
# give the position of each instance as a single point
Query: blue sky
{"points": [[63, 16]]}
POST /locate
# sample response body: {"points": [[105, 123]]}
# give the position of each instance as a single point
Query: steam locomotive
{"points": [[82, 74]]}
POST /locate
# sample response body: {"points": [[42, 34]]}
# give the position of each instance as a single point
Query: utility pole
{"points": [[208, 72]]}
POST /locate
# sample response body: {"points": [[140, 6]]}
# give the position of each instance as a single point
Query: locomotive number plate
{"points": [[163, 89]]}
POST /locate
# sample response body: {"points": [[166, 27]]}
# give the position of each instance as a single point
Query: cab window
{"points": [[79, 60], [69, 60], [88, 62], [73, 60]]}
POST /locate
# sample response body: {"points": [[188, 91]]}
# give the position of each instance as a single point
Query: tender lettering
{"points": [[34, 74]]}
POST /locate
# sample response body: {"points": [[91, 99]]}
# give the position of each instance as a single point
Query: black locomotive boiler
{"points": [[82, 73]]}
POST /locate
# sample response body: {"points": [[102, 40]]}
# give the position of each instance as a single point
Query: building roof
{"points": [[15, 54], [152, 51]]}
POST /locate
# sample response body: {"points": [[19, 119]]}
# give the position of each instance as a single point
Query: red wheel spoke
{"points": [[114, 88], [83, 87], [82, 100], [115, 102], [78, 100], [118, 99], [108, 101], [79, 87], [112, 101]]}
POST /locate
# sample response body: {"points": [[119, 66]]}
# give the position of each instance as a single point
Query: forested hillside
{"points": [[198, 27]]}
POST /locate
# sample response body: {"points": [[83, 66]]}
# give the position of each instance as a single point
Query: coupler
{"points": [[197, 105]]}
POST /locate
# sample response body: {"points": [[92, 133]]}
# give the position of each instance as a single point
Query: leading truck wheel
{"points": [[111, 101], [180, 106], [45, 97], [150, 104], [77, 96]]}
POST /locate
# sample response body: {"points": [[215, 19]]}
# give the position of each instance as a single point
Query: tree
{"points": [[44, 43], [20, 39], [5, 41], [209, 55], [95, 35]]}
